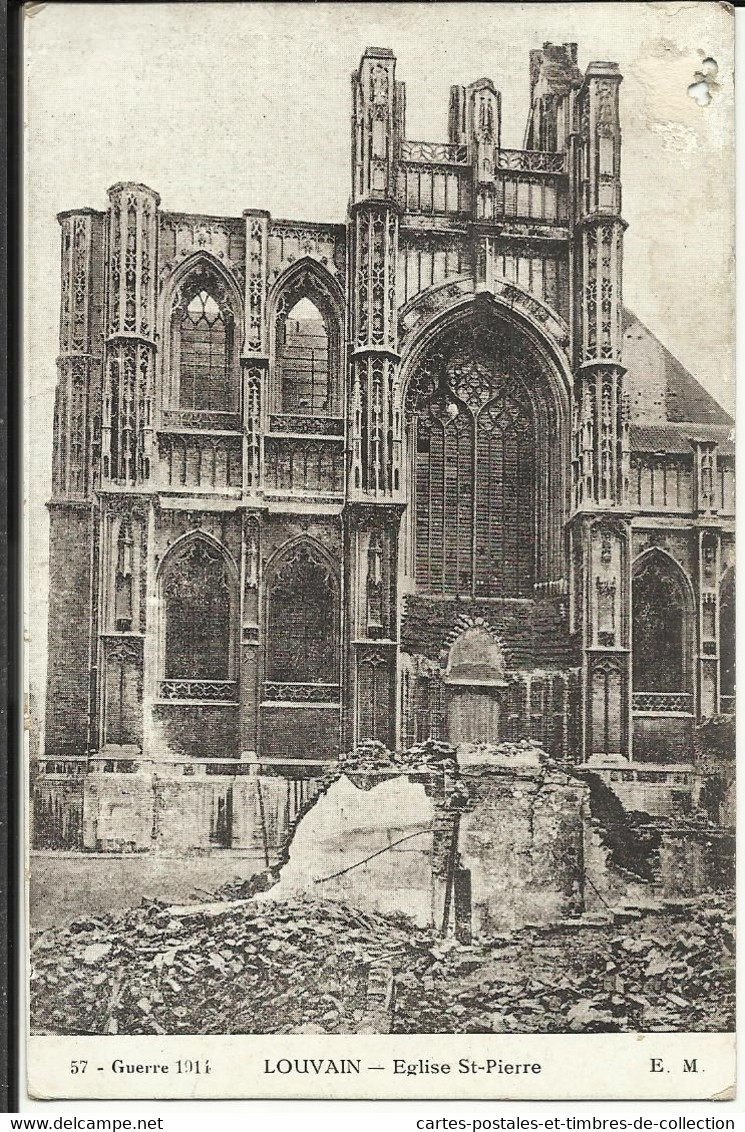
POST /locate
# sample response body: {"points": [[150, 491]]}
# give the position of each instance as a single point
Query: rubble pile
{"points": [[373, 756], [220, 968], [303, 967], [671, 969]]}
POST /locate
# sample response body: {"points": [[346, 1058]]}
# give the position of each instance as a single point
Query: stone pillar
{"points": [[255, 408], [77, 418], [252, 627], [484, 118], [374, 480], [601, 588], [255, 352], [374, 422], [73, 522], [600, 463], [706, 505], [707, 629], [127, 431], [127, 462]]}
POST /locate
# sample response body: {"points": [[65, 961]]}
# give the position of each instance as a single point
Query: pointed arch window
{"points": [[303, 359], [197, 600], [206, 343], [661, 628], [307, 348], [302, 634], [203, 382], [472, 428]]}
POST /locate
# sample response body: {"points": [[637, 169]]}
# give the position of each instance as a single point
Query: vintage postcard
{"points": [[380, 550]]}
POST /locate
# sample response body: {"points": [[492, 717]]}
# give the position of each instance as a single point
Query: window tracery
{"points": [[302, 632], [660, 628], [204, 363], [205, 377], [197, 595], [474, 441]]}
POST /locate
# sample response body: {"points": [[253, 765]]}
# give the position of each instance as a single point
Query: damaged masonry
{"points": [[415, 486], [418, 893]]}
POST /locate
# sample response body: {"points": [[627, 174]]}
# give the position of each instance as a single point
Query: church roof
{"points": [[677, 438], [669, 407]]}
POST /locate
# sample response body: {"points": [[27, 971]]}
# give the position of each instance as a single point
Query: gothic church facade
{"points": [[419, 473]]}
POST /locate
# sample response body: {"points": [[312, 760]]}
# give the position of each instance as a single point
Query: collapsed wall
{"points": [[367, 844], [485, 844]]}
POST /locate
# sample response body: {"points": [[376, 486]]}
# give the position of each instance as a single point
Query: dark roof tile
{"points": [[675, 439]]}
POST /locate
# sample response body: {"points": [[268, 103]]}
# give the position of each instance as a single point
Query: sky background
{"points": [[222, 107]]}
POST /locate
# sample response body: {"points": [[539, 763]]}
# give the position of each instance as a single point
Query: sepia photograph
{"points": [[380, 554]]}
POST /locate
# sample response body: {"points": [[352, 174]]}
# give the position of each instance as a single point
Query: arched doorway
{"points": [[474, 681]]}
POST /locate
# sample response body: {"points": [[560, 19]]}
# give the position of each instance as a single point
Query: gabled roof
{"points": [[678, 438], [669, 408]]}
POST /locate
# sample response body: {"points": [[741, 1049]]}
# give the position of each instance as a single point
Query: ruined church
{"points": [[416, 474]]}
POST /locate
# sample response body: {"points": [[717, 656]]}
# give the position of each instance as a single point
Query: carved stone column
{"points": [[77, 418], [252, 628], [73, 520], [127, 454], [484, 111], [127, 431], [708, 658], [255, 353], [374, 425], [601, 590], [484, 117], [600, 407]]}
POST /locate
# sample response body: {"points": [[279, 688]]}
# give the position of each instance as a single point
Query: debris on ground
{"points": [[238, 966], [233, 967], [671, 969]]}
